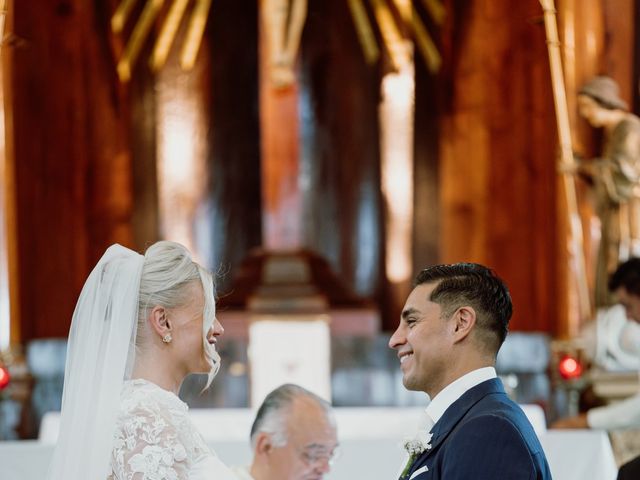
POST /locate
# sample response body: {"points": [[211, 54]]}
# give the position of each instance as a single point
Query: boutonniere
{"points": [[416, 447]]}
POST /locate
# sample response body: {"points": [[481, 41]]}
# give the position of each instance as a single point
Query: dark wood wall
{"points": [[497, 178], [72, 163], [83, 149]]}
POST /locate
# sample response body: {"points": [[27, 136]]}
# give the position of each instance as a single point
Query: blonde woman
{"points": [[141, 325]]}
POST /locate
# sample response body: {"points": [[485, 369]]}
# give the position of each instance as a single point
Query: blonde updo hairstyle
{"points": [[167, 273]]}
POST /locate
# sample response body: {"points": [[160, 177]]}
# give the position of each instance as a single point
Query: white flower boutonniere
{"points": [[416, 447]]}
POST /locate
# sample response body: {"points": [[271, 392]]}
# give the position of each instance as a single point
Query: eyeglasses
{"points": [[316, 454]]}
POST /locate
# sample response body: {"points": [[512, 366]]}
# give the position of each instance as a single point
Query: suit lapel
{"points": [[458, 409]]}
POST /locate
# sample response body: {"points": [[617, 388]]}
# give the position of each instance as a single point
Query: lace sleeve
{"points": [[147, 446]]}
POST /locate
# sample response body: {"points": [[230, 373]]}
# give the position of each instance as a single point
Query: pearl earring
{"points": [[167, 338]]}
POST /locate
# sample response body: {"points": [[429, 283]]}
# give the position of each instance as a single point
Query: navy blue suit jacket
{"points": [[483, 435]]}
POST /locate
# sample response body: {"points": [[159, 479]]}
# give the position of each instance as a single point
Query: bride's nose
{"points": [[216, 329]]}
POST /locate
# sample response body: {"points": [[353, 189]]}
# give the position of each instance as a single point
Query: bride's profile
{"points": [[141, 325]]}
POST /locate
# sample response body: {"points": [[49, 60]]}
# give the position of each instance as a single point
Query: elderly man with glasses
{"points": [[293, 437]]}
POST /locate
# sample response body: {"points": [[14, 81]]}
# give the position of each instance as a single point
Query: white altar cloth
{"points": [[370, 442]]}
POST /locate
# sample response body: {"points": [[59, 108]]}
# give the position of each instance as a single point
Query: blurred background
{"points": [[315, 155]]}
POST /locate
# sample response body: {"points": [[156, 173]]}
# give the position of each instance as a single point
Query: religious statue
{"points": [[616, 178]]}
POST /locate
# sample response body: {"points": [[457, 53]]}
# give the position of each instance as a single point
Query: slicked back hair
{"points": [[627, 275], [474, 285], [272, 414]]}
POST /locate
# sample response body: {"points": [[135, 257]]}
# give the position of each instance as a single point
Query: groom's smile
{"points": [[422, 341], [404, 356]]}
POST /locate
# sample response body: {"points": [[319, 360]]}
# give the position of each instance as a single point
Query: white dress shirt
{"points": [[456, 389]]}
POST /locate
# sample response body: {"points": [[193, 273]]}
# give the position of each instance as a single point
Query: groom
{"points": [[451, 329]]}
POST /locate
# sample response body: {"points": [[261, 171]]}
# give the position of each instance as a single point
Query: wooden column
{"points": [[620, 34], [279, 129], [636, 59], [340, 161], [234, 135], [109, 181], [9, 306], [426, 225], [581, 30], [182, 124], [142, 112], [72, 164], [497, 175]]}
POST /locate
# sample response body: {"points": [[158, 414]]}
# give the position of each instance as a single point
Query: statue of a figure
{"points": [[616, 178]]}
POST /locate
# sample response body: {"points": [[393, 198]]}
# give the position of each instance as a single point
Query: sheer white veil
{"points": [[100, 356]]}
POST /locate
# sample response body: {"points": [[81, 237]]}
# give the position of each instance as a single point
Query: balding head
{"points": [[293, 436]]}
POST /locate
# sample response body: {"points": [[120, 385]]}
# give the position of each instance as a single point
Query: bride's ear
{"points": [[159, 321]]}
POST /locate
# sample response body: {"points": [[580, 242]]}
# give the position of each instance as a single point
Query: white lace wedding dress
{"points": [[155, 439]]}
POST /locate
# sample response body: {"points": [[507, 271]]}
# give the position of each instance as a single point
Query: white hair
{"points": [[167, 274], [272, 414]]}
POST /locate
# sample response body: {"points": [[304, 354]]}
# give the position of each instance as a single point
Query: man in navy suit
{"points": [[451, 329]]}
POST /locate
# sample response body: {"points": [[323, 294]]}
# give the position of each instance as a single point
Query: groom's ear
{"points": [[464, 320]]}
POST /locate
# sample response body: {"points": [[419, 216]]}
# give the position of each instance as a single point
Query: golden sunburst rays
{"points": [[167, 34], [425, 43], [194, 34], [365, 31], [168, 29], [436, 10], [3, 15], [391, 34], [395, 28], [377, 15]]}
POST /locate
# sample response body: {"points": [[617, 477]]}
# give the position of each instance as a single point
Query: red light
{"points": [[569, 368], [4, 377]]}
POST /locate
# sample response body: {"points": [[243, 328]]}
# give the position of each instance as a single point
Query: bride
{"points": [[141, 325]]}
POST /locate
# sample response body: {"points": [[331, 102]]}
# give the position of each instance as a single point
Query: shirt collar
{"points": [[456, 389]]}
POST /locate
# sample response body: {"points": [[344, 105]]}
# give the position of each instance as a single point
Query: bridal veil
{"points": [[100, 356]]}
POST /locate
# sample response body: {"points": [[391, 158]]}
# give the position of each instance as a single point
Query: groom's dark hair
{"points": [[477, 286]]}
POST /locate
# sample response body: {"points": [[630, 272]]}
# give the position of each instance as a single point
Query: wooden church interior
{"points": [[316, 154]]}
